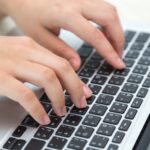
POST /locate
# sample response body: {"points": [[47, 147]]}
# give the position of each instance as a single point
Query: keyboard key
{"points": [[137, 103], [146, 52], [113, 147], [144, 61], [142, 37], [86, 72], [57, 142], [147, 83], [84, 131], [104, 99], [137, 46], [95, 88], [140, 69], [112, 118], [132, 54], [55, 121], [35, 144], [106, 129], [97, 57], [19, 131], [79, 111], [44, 98], [129, 87], [118, 107], [135, 78], [91, 120], [85, 51], [29, 121], [77, 144], [91, 148], [47, 107], [98, 79], [116, 80], [118, 137], [44, 133], [142, 92], [98, 110], [85, 80], [10, 143], [131, 113], [124, 97], [125, 124], [99, 141], [72, 119], [93, 64], [90, 100], [123, 72], [65, 131], [110, 89], [129, 35], [68, 101], [105, 69], [19, 144], [129, 62]]}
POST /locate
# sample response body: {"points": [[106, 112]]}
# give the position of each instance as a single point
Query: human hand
{"points": [[24, 60], [42, 20]]}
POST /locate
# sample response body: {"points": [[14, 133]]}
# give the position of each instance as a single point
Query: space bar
{"points": [[35, 144]]}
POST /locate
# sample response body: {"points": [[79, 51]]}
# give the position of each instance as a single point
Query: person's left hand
{"points": [[42, 20]]}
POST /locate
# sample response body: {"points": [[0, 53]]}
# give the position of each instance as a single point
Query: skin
{"points": [[50, 63]]}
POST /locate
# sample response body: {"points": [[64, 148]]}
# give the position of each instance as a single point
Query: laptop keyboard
{"points": [[104, 123]]}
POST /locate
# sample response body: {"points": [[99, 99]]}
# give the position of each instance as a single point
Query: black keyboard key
{"points": [[137, 46], [146, 83], [57, 143], [86, 72], [125, 124], [129, 35], [91, 120], [85, 51], [113, 147], [9, 143], [19, 131], [135, 78], [112, 118], [44, 133], [104, 99], [29, 121], [142, 37], [105, 69], [142, 92], [77, 144], [93, 64], [65, 131], [55, 121], [85, 80], [47, 107], [91, 148], [146, 52], [118, 107], [35, 144], [116, 80], [124, 97], [99, 141], [137, 103], [123, 72], [68, 101], [19, 144], [84, 131], [118, 137], [110, 89], [95, 88], [97, 57], [106, 129], [72, 119], [131, 113], [140, 69], [132, 54], [98, 110], [130, 87], [98, 79], [144, 61], [90, 100], [129, 62], [44, 98], [79, 111]]}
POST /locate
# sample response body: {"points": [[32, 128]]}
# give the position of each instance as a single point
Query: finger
{"points": [[56, 45], [44, 77], [107, 17], [96, 38], [15, 90], [67, 76]]}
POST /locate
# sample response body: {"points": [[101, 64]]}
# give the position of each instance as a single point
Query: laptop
{"points": [[116, 114]]}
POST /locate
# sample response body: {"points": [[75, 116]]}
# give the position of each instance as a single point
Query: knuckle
{"points": [[65, 65]]}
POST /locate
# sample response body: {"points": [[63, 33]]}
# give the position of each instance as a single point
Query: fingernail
{"points": [[83, 102], [120, 62], [46, 120], [87, 91]]}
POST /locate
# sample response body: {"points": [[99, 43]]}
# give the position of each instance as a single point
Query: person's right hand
{"points": [[23, 60]]}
